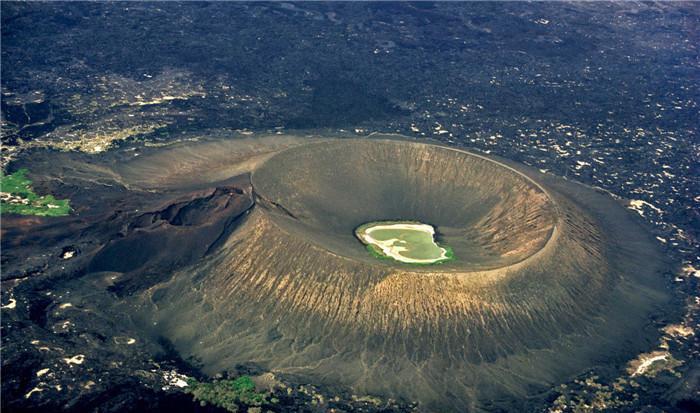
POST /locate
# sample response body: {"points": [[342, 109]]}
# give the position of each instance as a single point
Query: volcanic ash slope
{"points": [[549, 278]]}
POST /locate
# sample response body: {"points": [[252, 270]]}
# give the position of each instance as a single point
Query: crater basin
{"points": [[489, 214]]}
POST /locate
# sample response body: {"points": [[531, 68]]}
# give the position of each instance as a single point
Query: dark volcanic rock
{"points": [[65, 354]]}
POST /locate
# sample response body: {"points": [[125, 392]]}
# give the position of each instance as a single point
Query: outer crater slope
{"points": [[549, 278]]}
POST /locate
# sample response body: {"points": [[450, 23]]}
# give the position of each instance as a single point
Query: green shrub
{"points": [[228, 394]]}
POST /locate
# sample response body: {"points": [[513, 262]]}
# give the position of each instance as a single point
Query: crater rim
{"points": [[277, 211]]}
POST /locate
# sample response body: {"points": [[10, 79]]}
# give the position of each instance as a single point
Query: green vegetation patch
{"points": [[376, 252], [17, 197], [229, 394]]}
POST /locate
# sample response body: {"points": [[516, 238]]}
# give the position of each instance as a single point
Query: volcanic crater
{"points": [[549, 277], [233, 252]]}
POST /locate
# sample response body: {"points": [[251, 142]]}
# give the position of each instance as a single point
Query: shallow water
{"points": [[409, 242]]}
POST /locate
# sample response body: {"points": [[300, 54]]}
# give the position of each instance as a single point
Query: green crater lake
{"points": [[409, 242]]}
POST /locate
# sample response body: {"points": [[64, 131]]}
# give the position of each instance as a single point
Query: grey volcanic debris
{"points": [[182, 184]]}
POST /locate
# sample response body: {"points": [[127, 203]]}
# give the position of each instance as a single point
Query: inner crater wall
{"points": [[489, 214]]}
